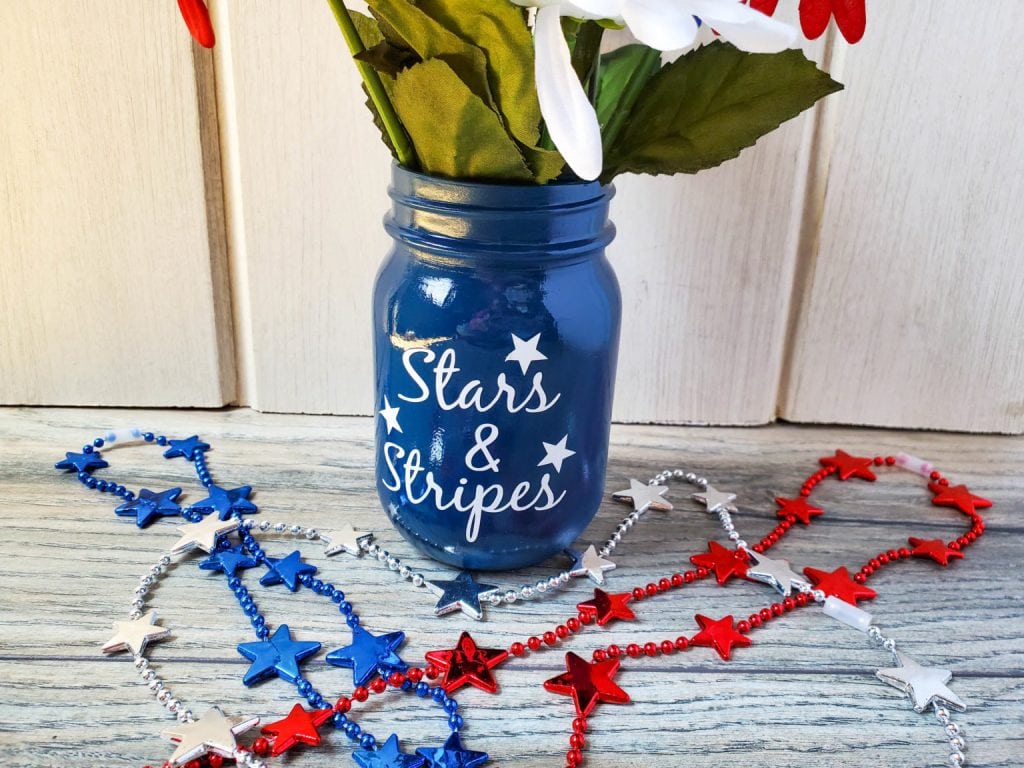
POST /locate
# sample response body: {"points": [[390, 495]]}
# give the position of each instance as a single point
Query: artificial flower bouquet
{"points": [[524, 91]]}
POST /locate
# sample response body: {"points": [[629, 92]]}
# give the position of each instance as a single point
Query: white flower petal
{"points": [[662, 24], [570, 119], [593, 9], [722, 10], [764, 35]]}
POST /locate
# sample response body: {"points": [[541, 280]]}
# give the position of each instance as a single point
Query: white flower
{"points": [[665, 25]]}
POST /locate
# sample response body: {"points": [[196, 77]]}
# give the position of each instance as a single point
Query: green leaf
{"points": [[369, 31], [455, 133], [499, 29], [618, 69], [405, 25], [709, 105]]}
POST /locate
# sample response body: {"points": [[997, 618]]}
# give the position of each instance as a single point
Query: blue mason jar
{"points": [[496, 329]]}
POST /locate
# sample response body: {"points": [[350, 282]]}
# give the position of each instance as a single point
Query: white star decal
{"points": [[555, 454], [525, 352], [390, 414]]}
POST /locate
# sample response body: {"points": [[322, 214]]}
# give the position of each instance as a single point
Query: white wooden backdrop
{"points": [[187, 228]]}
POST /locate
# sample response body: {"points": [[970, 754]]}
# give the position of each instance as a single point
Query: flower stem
{"points": [[374, 87], [628, 99]]}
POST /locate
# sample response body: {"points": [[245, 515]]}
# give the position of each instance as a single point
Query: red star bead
{"points": [[719, 634], [849, 466], [839, 584], [588, 683], [467, 663], [725, 562], [798, 508], [957, 496], [605, 607], [299, 727], [936, 549]]}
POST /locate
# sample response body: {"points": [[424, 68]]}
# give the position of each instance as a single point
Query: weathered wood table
{"points": [[803, 694]]}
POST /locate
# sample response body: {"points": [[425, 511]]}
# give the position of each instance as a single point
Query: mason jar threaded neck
{"points": [[477, 220]]}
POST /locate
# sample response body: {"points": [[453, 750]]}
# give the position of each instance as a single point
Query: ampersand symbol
{"points": [[485, 435]]}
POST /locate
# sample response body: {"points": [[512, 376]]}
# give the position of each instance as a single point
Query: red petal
{"points": [[765, 6], [197, 19], [814, 16], [851, 18]]}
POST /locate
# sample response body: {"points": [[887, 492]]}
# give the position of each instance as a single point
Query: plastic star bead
{"points": [[148, 506], [839, 584], [388, 755], [81, 462], [798, 508], [936, 549], [848, 466], [135, 634], [211, 734], [719, 634], [203, 535], [369, 653], [926, 686], [188, 448], [280, 655], [605, 607], [588, 683], [226, 503], [286, 570], [468, 663], [452, 755], [462, 593], [725, 562], [775, 573], [957, 496], [345, 539], [228, 561], [714, 499], [300, 727], [589, 564], [644, 497]]}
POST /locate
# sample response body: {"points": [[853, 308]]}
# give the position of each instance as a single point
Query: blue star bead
{"points": [[387, 756], [226, 503], [228, 561], [81, 462], [286, 570], [188, 448], [368, 653], [280, 655], [149, 506], [452, 755]]}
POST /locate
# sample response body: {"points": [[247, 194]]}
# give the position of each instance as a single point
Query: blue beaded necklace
{"points": [[273, 654]]}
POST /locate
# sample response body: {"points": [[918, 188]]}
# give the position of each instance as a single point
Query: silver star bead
{"points": [[345, 539], [926, 686], [462, 593], [203, 535], [213, 733], [775, 573], [644, 496], [714, 499], [589, 564], [133, 635]]}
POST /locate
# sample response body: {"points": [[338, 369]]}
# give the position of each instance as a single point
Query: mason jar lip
{"points": [[427, 189]]}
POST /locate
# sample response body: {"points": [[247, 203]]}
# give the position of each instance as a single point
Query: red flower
{"points": [[851, 18], [197, 19]]}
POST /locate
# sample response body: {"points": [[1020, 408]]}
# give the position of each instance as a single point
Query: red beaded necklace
{"points": [[590, 683]]}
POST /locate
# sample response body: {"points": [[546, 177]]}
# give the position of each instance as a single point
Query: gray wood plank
{"points": [[803, 694]]}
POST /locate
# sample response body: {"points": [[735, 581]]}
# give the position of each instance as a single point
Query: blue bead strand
{"points": [[143, 506]]}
